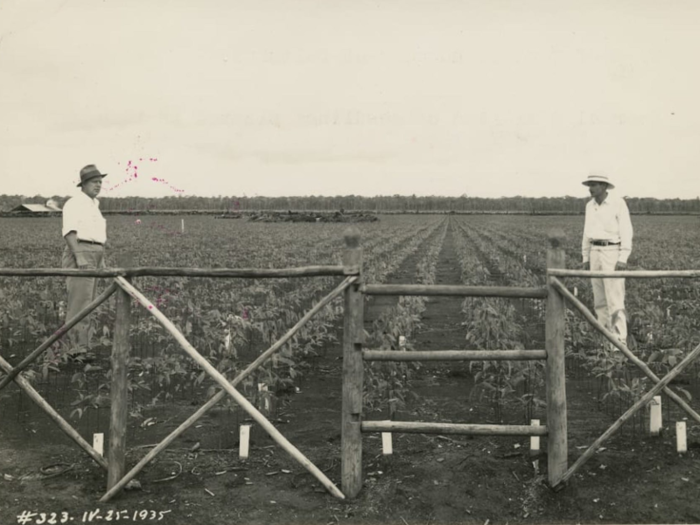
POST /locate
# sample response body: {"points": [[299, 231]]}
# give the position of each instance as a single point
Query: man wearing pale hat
{"points": [[606, 246], [85, 233]]}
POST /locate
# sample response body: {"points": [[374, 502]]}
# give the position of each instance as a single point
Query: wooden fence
{"points": [[353, 424], [115, 463]]}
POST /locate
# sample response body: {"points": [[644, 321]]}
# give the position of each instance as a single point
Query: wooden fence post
{"points": [[557, 447], [116, 455], [353, 369]]}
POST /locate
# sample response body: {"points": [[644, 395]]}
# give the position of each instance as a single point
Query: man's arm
{"points": [[585, 244], [72, 242], [626, 232]]}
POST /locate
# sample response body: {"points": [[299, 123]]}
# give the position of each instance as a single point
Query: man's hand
{"points": [[620, 266], [81, 261]]}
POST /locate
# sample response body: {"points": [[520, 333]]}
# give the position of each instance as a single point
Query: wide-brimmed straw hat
{"points": [[597, 177], [89, 172]]}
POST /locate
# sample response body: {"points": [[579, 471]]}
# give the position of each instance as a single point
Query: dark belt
{"points": [[90, 242], [604, 243]]}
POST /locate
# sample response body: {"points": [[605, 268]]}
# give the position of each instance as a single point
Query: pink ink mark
{"points": [[160, 292], [150, 307], [132, 172], [176, 190]]}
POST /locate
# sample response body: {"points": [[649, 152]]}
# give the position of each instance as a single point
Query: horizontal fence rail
{"points": [[305, 271], [454, 355], [644, 274], [454, 290], [454, 428]]}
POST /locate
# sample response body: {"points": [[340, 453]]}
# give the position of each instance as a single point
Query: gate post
{"points": [[353, 369], [116, 455], [557, 447]]}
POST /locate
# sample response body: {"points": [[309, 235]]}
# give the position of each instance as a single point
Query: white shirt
{"points": [[607, 221], [81, 214]]}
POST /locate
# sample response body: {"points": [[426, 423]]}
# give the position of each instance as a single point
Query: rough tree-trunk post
{"points": [[116, 454], [353, 332], [556, 381]]}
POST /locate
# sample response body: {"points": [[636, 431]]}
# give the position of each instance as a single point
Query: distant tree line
{"points": [[380, 204]]}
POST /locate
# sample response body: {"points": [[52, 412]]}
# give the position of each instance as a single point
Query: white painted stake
{"points": [[98, 443], [387, 447], [655, 422], [262, 387], [183, 225], [535, 445], [245, 441], [575, 292], [535, 440], [681, 441], [402, 342]]}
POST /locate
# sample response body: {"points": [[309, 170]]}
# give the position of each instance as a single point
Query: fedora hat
{"points": [[597, 177], [89, 172]]}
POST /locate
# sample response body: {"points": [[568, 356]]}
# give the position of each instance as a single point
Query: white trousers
{"points": [[609, 294]]}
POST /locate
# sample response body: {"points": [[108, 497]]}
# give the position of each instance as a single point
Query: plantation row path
{"points": [[442, 320], [444, 388]]}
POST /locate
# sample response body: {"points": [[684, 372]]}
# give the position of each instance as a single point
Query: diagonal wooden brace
{"points": [[55, 416], [228, 388], [623, 348], [630, 412], [57, 335]]}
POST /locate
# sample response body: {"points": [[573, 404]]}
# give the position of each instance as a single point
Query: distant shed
{"points": [[35, 209]]}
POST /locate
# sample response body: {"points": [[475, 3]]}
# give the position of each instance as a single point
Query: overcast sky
{"points": [[320, 97]]}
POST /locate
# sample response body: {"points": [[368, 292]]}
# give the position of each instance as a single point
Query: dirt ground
{"points": [[429, 479]]}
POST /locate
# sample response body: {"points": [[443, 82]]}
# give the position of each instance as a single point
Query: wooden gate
{"points": [[355, 356]]}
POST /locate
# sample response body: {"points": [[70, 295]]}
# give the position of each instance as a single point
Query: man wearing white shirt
{"points": [[606, 246], [85, 233]]}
